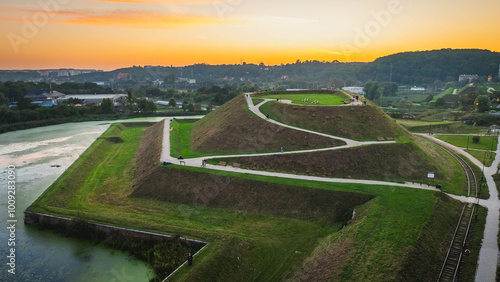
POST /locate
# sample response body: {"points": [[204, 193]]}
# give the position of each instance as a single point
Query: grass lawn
{"points": [[349, 121], [324, 99], [180, 140], [418, 126], [485, 142], [488, 86], [480, 156], [243, 246]]}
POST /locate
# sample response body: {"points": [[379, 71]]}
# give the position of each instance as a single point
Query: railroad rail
{"points": [[451, 265]]}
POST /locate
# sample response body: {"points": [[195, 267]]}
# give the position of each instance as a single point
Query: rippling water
{"points": [[40, 156]]}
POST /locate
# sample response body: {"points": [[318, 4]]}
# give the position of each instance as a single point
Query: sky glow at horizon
{"points": [[109, 34]]}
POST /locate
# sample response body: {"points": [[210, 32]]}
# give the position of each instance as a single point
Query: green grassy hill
{"points": [[355, 122], [234, 129], [389, 162], [258, 228]]}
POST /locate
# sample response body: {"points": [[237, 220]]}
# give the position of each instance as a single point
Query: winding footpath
{"points": [[196, 162], [488, 255]]}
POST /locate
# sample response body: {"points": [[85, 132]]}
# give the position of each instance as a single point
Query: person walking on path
{"points": [[190, 259], [282, 149]]}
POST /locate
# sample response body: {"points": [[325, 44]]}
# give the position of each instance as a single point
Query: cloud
{"points": [[329, 52], [166, 2], [122, 18]]}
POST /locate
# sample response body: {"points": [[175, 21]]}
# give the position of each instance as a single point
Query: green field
{"points": [[486, 87], [465, 141], [245, 245], [324, 99], [483, 156], [457, 127], [180, 140]]}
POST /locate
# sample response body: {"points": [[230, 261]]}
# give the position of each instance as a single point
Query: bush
{"points": [[476, 139]]}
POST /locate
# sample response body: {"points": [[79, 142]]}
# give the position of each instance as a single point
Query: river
{"points": [[40, 156]]}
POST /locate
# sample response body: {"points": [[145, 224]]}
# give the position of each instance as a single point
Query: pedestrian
{"points": [[282, 149], [190, 259], [267, 115]]}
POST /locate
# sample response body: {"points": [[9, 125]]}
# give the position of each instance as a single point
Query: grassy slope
{"points": [[439, 127], [234, 129], [485, 142], [243, 244], [484, 157], [446, 92], [355, 122], [247, 195], [431, 247], [389, 162]]}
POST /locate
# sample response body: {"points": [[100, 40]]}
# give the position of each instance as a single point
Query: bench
{"points": [[236, 165], [222, 163], [380, 138], [182, 163], [389, 138]]}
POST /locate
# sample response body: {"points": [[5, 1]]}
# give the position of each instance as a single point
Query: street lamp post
{"points": [[468, 142]]}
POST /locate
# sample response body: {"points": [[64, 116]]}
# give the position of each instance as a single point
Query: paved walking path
{"points": [[488, 255]]}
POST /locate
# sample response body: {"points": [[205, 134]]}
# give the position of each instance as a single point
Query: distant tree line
{"points": [[426, 68]]}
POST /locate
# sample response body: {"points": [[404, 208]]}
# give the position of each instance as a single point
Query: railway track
{"points": [[451, 265]]}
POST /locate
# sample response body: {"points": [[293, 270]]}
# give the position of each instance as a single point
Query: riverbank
{"points": [[101, 117]]}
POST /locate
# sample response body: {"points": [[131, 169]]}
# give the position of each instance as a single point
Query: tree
{"points": [[3, 99], [151, 106], [24, 104], [73, 101], [372, 90], [429, 98], [481, 103], [190, 108], [130, 101], [389, 88], [172, 103], [107, 106]]}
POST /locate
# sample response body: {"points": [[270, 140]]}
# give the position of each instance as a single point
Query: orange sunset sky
{"points": [[109, 34]]}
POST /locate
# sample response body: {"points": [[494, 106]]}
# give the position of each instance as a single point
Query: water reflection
{"points": [[40, 156]]}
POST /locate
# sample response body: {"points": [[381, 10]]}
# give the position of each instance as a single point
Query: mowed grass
{"points": [[243, 246], [324, 99], [464, 141], [485, 157], [355, 122], [180, 140], [455, 127]]}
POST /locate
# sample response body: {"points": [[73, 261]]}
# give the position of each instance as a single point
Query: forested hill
{"points": [[426, 66], [409, 68]]}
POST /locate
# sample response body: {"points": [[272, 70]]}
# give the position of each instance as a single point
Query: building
{"points": [[123, 75], [415, 88], [469, 77], [354, 89], [41, 95], [94, 98]]}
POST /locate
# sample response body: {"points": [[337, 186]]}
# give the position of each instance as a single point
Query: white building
{"points": [[93, 98], [354, 89], [415, 88], [469, 77]]}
